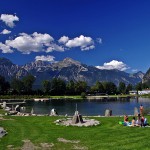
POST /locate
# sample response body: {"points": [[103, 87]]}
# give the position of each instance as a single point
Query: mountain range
{"points": [[146, 78], [67, 69]]}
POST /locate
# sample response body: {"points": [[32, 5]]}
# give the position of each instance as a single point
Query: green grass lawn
{"points": [[108, 135]]}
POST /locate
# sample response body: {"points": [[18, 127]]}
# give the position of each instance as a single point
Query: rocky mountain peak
{"points": [[66, 63], [146, 78], [5, 61], [70, 61], [40, 63], [139, 74], [36, 64]]}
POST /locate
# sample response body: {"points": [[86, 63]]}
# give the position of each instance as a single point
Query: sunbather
{"points": [[133, 123], [126, 119]]}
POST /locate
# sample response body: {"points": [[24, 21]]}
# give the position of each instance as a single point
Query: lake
{"points": [[120, 106]]}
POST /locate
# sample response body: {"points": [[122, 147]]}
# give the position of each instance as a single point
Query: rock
{"points": [[136, 111], [2, 132], [17, 108], [4, 105], [86, 122], [58, 121], [108, 112], [22, 109], [53, 112], [32, 111], [77, 119]]}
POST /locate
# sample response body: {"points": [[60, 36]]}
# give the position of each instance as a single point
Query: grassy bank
{"points": [[108, 135], [30, 97], [146, 96], [75, 97]]}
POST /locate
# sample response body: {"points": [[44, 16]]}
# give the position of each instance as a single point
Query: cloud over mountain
{"points": [[5, 48], [48, 58], [114, 64]]}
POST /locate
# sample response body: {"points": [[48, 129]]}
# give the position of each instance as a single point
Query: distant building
{"points": [[144, 92], [134, 92]]}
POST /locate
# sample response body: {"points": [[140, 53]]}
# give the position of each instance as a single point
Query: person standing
{"points": [[141, 110]]}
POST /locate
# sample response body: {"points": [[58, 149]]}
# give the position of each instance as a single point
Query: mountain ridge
{"points": [[146, 78], [67, 69]]}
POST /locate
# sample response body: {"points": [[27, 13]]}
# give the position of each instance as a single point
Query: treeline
{"points": [[57, 86]]}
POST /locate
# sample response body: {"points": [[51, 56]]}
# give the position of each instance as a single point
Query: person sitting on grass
{"points": [[138, 121], [144, 121], [133, 123], [126, 120]]}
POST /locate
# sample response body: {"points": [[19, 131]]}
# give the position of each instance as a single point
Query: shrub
{"points": [[83, 95]]}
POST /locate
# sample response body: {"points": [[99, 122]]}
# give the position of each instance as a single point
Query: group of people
{"points": [[140, 121]]}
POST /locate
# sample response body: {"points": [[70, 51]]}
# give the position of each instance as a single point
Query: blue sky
{"points": [[104, 33]]}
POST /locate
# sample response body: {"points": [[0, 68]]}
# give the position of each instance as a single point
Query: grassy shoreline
{"points": [[108, 135], [77, 97]]}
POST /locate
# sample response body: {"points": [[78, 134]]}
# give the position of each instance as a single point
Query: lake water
{"points": [[89, 108]]}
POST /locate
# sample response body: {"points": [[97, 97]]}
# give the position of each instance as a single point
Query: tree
{"points": [[28, 83], [17, 86], [98, 87], [58, 87], [83, 95], [4, 85], [70, 88], [129, 88], [138, 86], [145, 86], [109, 87], [122, 88], [80, 87], [46, 84]]}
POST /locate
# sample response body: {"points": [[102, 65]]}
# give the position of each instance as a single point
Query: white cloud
{"points": [[88, 48], [42, 38], [63, 39], [55, 47], [9, 19], [85, 43], [37, 42], [5, 48], [99, 40], [134, 70], [26, 43], [48, 58], [114, 64], [5, 31]]}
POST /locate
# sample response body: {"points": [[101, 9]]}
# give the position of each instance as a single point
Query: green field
{"points": [[41, 129]]}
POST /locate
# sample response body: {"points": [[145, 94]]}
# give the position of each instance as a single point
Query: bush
{"points": [[83, 95]]}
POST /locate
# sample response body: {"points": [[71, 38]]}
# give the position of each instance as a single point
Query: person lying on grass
{"points": [[141, 121]]}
